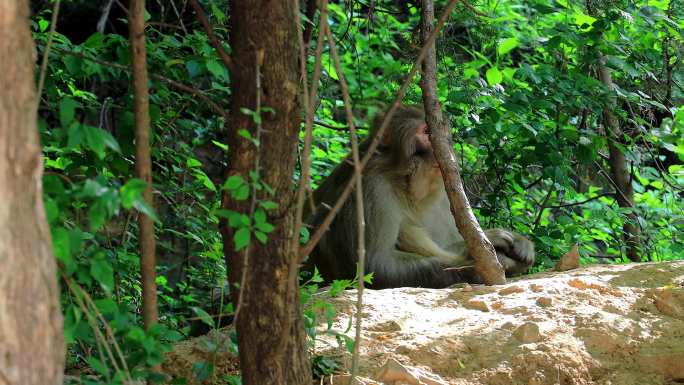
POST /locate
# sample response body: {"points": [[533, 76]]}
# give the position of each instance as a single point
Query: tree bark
{"points": [[31, 336], [268, 28], [477, 244], [143, 161]]}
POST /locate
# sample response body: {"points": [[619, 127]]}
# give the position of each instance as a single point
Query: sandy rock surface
{"points": [[620, 324]]}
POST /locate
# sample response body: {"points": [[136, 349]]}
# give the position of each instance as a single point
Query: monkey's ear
{"points": [[386, 140]]}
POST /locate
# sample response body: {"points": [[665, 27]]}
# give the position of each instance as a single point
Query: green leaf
{"points": [[95, 40], [76, 135], [43, 24], [506, 45], [204, 316], [245, 134], [131, 192], [241, 193], [109, 140], [584, 20], [145, 208], [202, 370], [259, 216], [102, 272], [241, 238], [233, 182], [261, 237], [51, 209], [494, 76], [96, 215], [61, 245], [98, 366], [264, 226], [94, 140], [202, 177], [192, 163], [304, 235], [220, 145], [216, 69], [268, 205], [67, 111]]}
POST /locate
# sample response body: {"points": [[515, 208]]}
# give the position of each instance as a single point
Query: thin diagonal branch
{"points": [[361, 224], [227, 61], [308, 98], [46, 54]]}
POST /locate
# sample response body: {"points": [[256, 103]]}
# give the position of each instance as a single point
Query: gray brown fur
{"points": [[411, 237]]}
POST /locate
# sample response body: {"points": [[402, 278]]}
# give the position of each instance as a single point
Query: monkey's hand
{"points": [[515, 252]]}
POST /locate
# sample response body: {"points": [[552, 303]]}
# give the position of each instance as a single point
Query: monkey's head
{"points": [[406, 137]]}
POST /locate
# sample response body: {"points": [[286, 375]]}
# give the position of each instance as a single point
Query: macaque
{"points": [[411, 237]]}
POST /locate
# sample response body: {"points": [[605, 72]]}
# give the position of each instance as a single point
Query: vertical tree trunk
{"points": [[622, 177], [143, 162], [31, 336], [619, 170], [268, 28], [477, 244]]}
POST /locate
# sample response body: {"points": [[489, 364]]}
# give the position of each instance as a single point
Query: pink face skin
{"points": [[423, 139]]}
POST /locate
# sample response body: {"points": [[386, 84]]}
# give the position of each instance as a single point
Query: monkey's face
{"points": [[423, 147]]}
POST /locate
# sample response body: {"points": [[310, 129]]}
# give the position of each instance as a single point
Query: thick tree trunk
{"points": [[143, 162], [477, 244], [268, 28], [31, 336], [619, 170]]}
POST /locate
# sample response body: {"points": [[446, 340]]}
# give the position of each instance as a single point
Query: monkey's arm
{"points": [[514, 251], [414, 238], [421, 266]]}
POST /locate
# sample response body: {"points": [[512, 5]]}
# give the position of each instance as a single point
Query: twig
{"points": [[605, 174], [105, 16], [46, 54], [325, 224], [178, 15], [473, 9], [581, 202], [306, 154], [361, 224], [122, 7], [84, 299], [227, 61], [178, 86]]}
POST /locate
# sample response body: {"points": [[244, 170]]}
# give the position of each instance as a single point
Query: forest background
{"points": [[520, 81]]}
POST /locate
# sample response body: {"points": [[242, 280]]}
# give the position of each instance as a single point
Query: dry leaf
{"points": [[571, 260]]}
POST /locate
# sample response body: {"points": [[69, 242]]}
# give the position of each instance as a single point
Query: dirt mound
{"points": [[620, 324]]}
